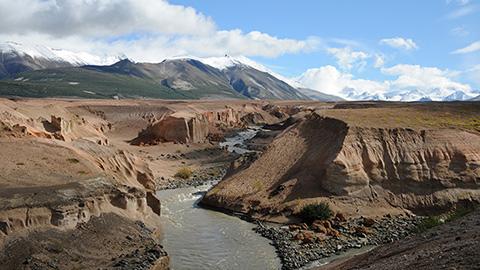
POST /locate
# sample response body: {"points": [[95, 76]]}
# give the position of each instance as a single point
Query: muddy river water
{"points": [[197, 238]]}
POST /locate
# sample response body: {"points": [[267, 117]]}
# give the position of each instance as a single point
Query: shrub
{"points": [[433, 221], [312, 212], [428, 223], [184, 173]]}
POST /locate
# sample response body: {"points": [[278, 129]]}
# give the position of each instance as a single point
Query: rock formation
{"points": [[322, 158], [198, 127]]}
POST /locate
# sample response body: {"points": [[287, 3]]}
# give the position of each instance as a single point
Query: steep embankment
{"points": [[200, 126], [61, 174], [359, 170]]}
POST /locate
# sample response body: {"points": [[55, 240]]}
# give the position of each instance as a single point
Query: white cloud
{"points": [[462, 11], [144, 30], [473, 47], [458, 2], [329, 80], [410, 82], [474, 74], [254, 43], [379, 60], [347, 58], [423, 78], [101, 17], [399, 43]]}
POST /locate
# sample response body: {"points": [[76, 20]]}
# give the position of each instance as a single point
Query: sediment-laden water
{"points": [[197, 238]]}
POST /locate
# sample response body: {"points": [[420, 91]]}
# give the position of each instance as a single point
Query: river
{"points": [[197, 238]]}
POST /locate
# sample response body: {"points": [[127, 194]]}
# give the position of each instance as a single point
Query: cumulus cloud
{"points": [[101, 17], [399, 43], [410, 82], [348, 58], [330, 80], [144, 30], [235, 42], [424, 78], [473, 47]]}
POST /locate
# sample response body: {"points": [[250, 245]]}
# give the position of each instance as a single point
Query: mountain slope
{"points": [[30, 70], [189, 76], [316, 95], [16, 58], [80, 82], [228, 78], [256, 84], [477, 98]]}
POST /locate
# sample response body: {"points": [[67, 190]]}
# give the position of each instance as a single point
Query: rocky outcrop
{"points": [[355, 168], [452, 245], [108, 241], [175, 129], [200, 127], [65, 208]]}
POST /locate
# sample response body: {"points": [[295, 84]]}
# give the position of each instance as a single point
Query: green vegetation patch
{"points": [[184, 173], [312, 212], [433, 221]]}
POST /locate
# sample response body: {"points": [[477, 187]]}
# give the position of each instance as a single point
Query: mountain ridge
{"points": [[192, 77]]}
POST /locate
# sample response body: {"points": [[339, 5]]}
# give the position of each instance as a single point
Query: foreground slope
{"points": [[453, 245], [365, 161], [76, 192]]}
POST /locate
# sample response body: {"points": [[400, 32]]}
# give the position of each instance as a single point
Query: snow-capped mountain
{"points": [[227, 61], [248, 77], [437, 94], [238, 74], [458, 95], [16, 58], [56, 55]]}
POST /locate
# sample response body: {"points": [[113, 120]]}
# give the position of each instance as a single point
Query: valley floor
{"points": [[80, 178]]}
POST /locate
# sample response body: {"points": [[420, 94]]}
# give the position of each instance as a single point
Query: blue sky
{"points": [[430, 24], [398, 50]]}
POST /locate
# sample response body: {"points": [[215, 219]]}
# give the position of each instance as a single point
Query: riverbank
{"points": [[297, 246], [450, 245], [300, 245]]}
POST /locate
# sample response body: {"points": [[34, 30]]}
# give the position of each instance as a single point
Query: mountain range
{"points": [[39, 71]]}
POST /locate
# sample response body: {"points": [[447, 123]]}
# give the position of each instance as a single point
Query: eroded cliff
{"points": [[358, 170]]}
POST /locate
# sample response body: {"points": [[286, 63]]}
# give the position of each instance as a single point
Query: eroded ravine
{"points": [[198, 238]]}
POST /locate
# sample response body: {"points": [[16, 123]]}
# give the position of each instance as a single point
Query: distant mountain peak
{"points": [[56, 55]]}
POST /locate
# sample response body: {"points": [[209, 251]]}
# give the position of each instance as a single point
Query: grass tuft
{"points": [[184, 173]]}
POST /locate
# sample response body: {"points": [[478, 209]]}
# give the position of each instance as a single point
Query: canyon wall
{"points": [[356, 169], [199, 127]]}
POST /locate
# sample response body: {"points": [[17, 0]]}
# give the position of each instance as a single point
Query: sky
{"points": [[371, 45]]}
